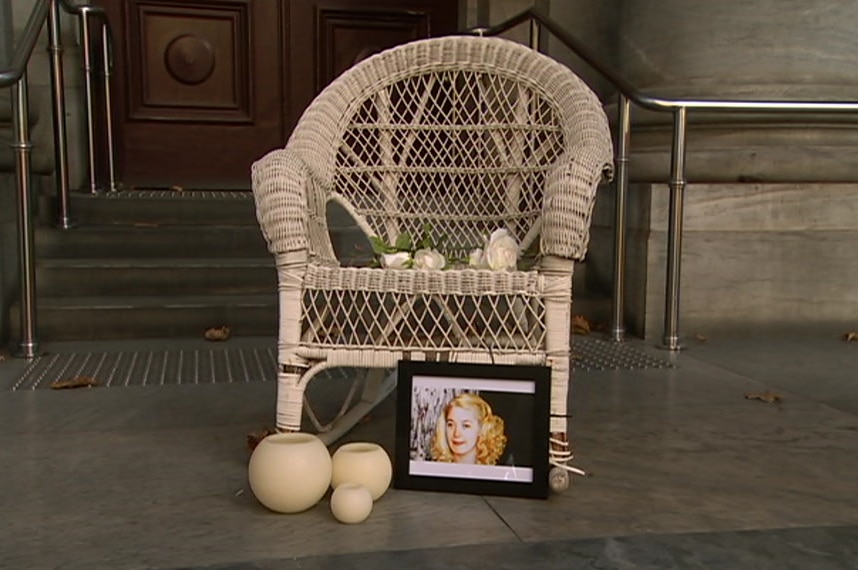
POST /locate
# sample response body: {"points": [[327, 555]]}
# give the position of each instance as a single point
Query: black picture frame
{"points": [[423, 456]]}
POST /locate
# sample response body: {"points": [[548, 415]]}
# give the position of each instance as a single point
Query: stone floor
{"points": [[684, 472]]}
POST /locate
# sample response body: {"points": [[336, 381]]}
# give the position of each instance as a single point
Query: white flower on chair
{"points": [[477, 259], [501, 251], [429, 259], [398, 260]]}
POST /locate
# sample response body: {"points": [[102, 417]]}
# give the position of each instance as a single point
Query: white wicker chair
{"points": [[470, 135]]}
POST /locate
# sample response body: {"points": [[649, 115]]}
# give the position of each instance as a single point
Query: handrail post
{"points": [[28, 345], [618, 329], [58, 98], [86, 42], [535, 30], [108, 110], [674, 235]]}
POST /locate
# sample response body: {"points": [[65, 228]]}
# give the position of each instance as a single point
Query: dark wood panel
{"points": [[340, 32], [200, 89], [189, 62], [205, 87], [347, 36]]}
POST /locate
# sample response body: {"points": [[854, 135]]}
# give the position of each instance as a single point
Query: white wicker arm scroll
{"points": [[570, 194], [290, 206]]}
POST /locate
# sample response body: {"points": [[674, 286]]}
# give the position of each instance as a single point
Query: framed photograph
{"points": [[472, 428]]}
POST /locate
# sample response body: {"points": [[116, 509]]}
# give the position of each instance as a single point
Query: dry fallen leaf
{"points": [[851, 336], [217, 333], [768, 396], [176, 188], [580, 325], [76, 382], [700, 337], [253, 438]]}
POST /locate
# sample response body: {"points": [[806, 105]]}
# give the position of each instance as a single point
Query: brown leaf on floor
{"points": [[3, 356], [217, 334], [768, 396], [76, 382], [851, 336], [700, 337], [580, 325], [176, 188], [254, 437]]}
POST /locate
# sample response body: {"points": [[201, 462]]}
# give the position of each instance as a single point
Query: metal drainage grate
{"points": [[254, 364], [172, 194], [591, 354], [154, 367]]}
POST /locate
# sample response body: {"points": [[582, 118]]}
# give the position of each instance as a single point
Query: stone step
{"points": [[111, 318], [147, 241], [157, 208], [153, 263], [128, 276]]}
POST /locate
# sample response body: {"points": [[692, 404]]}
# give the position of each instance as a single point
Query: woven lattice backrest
{"points": [[458, 132]]}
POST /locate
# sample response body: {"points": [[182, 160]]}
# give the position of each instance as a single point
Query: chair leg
{"points": [[560, 450], [290, 398], [377, 384]]}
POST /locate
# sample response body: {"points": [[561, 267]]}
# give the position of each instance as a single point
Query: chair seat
{"points": [[451, 310], [465, 281]]}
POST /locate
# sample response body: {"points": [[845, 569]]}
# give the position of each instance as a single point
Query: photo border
{"points": [[540, 376]]}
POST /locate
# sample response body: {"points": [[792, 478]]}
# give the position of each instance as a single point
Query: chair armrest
{"points": [[290, 206], [567, 209]]}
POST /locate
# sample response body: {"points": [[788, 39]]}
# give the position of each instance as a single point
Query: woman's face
{"points": [[463, 427]]}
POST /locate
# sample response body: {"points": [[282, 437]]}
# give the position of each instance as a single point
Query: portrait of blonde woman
{"points": [[468, 432]]}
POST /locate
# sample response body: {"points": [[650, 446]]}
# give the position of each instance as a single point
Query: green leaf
{"points": [[403, 242], [379, 246], [426, 237]]}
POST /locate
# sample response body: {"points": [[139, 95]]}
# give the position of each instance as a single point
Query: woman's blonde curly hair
{"points": [[491, 441]]}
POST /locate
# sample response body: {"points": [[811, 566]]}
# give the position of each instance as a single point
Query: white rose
{"points": [[398, 260], [501, 251], [429, 259], [477, 259]]}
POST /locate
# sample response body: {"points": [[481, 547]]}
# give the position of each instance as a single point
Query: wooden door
{"points": [[329, 36], [202, 88]]}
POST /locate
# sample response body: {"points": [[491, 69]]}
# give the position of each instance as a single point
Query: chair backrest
{"points": [[458, 132]]}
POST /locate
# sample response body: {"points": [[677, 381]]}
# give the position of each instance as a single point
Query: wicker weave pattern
{"points": [[448, 311], [469, 135]]}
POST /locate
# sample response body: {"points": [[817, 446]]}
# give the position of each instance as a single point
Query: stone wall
{"points": [[759, 256], [771, 205]]}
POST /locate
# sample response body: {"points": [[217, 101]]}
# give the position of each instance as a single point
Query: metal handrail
{"points": [[26, 45], [16, 75], [677, 183]]}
